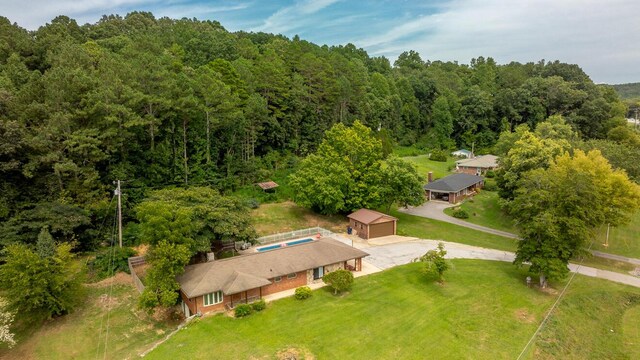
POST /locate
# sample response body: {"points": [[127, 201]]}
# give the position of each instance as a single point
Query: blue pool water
{"points": [[278, 246]]}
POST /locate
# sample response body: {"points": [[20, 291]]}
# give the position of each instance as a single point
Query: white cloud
{"points": [[293, 17], [38, 12], [43, 11], [599, 36]]}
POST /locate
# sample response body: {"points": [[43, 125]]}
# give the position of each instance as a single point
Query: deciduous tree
{"points": [[558, 209]]}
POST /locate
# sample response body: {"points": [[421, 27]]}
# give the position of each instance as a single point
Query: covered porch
{"points": [[244, 289]]}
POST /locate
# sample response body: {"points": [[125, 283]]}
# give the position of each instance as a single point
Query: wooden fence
{"points": [[133, 263]]}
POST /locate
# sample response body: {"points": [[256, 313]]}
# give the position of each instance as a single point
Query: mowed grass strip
{"points": [[483, 311], [416, 226], [485, 210]]}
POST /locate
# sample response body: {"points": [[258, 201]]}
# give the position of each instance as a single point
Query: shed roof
{"points": [[482, 161], [454, 183], [245, 272], [268, 185], [367, 216]]}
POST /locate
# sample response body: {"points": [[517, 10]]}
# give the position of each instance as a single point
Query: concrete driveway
{"points": [[434, 209], [387, 256]]}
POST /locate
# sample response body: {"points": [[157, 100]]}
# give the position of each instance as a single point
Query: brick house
{"points": [[371, 224], [219, 284], [454, 188], [477, 165]]}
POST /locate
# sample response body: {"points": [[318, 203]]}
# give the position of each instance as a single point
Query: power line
{"points": [[102, 318], [544, 321], [112, 255]]}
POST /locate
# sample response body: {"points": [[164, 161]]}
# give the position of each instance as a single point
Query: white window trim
{"points": [[277, 279], [205, 296]]}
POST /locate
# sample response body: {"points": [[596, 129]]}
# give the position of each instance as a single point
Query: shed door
{"points": [[382, 229]]}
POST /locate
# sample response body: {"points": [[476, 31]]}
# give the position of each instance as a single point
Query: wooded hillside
{"points": [[159, 102]]}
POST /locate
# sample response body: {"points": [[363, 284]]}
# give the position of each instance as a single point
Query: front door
{"points": [[318, 273]]}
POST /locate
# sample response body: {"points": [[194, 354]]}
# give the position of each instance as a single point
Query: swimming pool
{"points": [[288, 243]]}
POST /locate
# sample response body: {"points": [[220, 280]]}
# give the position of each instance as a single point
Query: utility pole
{"points": [[606, 241], [119, 193]]}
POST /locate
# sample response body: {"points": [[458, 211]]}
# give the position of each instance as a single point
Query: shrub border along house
{"points": [[224, 284]]}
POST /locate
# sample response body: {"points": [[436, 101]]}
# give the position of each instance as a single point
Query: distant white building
{"points": [[462, 153]]}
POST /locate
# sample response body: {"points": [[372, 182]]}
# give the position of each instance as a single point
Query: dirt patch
{"points": [[141, 250], [120, 278], [294, 354], [524, 316], [548, 290], [107, 302]]}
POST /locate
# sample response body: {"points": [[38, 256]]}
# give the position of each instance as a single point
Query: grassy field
{"points": [[482, 312], [424, 228], [424, 165], [596, 319], [624, 240], [484, 210], [81, 334], [287, 216]]}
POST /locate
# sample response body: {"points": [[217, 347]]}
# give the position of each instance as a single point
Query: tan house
{"points": [[454, 188], [219, 284], [372, 224], [477, 165]]}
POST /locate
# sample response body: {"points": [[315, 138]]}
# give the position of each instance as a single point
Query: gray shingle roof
{"points": [[454, 183], [250, 271]]}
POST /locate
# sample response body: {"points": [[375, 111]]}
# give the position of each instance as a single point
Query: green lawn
{"points": [[424, 228], [484, 210], [394, 314], [287, 216], [424, 165], [623, 240], [482, 312], [81, 334], [596, 319]]}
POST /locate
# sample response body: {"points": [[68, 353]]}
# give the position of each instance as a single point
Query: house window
{"points": [[277, 279], [292, 276], [318, 273], [213, 298]]}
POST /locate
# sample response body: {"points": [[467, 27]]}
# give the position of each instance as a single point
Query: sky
{"points": [[603, 37]]}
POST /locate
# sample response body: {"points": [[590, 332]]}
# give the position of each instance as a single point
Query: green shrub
{"points": [[490, 174], [253, 203], [259, 305], [339, 280], [490, 186], [460, 214], [112, 260], [303, 292], [438, 155], [243, 310]]}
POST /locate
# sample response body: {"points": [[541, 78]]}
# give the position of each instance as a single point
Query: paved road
{"points": [[387, 256], [435, 210]]}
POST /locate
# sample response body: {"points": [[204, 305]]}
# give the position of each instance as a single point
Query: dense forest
{"points": [[628, 91], [158, 102]]}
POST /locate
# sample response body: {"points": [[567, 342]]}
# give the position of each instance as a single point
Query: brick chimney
{"points": [[430, 176]]}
